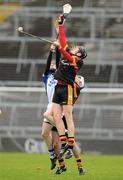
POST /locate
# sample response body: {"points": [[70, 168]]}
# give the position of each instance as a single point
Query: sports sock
{"points": [[63, 140], [51, 153], [70, 142], [61, 163], [79, 162]]}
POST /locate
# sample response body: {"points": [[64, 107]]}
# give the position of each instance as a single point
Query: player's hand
{"points": [[60, 19], [56, 43]]}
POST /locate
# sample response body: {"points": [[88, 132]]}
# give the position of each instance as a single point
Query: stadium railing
{"points": [[98, 112]]}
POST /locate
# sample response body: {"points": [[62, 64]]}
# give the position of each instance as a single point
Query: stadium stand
{"points": [[96, 24]]}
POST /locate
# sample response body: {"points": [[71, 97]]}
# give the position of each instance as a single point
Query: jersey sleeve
{"points": [[47, 68], [66, 55], [44, 79], [63, 43], [62, 38], [58, 56]]}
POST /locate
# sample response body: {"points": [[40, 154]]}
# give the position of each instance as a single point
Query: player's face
{"points": [[74, 52]]}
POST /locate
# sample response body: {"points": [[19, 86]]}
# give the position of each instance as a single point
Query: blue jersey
{"points": [[50, 83]]}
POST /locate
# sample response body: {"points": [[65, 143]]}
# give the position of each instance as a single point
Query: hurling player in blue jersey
{"points": [[47, 134]]}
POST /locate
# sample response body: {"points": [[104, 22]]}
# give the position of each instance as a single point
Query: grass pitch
{"points": [[21, 166]]}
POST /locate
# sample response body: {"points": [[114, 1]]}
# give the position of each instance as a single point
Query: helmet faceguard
{"points": [[82, 52]]}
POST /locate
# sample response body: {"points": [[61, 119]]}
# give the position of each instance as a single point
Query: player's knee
{"points": [[56, 116], [44, 134], [46, 115]]}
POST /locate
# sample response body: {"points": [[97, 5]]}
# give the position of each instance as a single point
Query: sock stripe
{"points": [[78, 158], [62, 136], [71, 141], [63, 139], [60, 160], [51, 150], [61, 163], [79, 162]]}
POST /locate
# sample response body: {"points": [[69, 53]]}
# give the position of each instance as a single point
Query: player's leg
{"points": [[49, 116], [55, 138], [46, 134], [68, 153], [56, 108], [57, 114], [47, 126], [62, 103], [67, 109], [57, 111], [77, 155], [68, 113], [57, 145]]}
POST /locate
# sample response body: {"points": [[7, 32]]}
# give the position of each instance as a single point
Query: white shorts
{"points": [[49, 106]]}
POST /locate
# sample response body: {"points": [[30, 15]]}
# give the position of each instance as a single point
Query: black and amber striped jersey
{"points": [[66, 71]]}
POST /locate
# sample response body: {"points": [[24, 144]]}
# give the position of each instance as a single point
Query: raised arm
{"points": [[47, 68], [62, 41], [61, 33], [49, 59], [58, 56], [65, 54], [62, 38]]}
